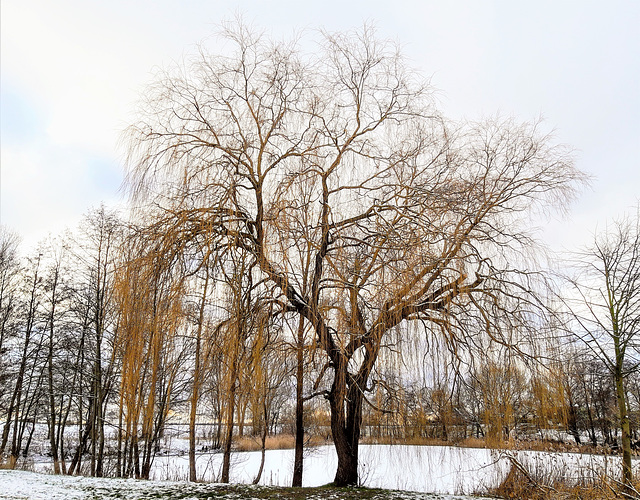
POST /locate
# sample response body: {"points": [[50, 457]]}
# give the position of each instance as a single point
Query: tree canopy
{"points": [[357, 205]]}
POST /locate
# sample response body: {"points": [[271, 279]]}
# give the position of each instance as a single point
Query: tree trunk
{"points": [[572, 421], [226, 455], [28, 402], [76, 462], [263, 444], [17, 392], [196, 387], [299, 453], [237, 333], [592, 427], [345, 425], [192, 416], [627, 474], [119, 462], [98, 398], [53, 442]]}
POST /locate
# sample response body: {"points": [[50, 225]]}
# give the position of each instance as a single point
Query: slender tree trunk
{"points": [[119, 461], [16, 396], [76, 462], [237, 332], [242, 412], [226, 456], [52, 418], [52, 403], [196, 387], [28, 409], [263, 444], [299, 452], [592, 427], [98, 397], [192, 415], [136, 456], [29, 439], [572, 420]]}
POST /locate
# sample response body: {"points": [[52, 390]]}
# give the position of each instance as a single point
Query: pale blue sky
{"points": [[72, 70]]}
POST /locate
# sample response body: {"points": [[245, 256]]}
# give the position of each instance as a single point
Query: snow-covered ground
{"points": [[24, 485], [432, 469]]}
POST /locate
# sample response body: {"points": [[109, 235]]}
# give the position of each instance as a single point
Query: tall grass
{"points": [[545, 480]]}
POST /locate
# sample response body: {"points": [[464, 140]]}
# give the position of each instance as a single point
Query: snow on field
{"points": [[429, 469], [24, 485]]}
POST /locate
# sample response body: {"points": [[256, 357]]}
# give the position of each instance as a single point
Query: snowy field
{"points": [[444, 470], [24, 485]]}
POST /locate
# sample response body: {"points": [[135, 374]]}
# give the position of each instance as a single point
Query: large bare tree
{"points": [[341, 156], [606, 306]]}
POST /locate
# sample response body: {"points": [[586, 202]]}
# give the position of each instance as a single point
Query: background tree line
{"points": [[105, 349]]}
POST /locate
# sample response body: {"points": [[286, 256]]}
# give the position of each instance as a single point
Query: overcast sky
{"points": [[72, 71]]}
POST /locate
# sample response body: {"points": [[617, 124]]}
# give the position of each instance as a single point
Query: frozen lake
{"points": [[433, 469]]}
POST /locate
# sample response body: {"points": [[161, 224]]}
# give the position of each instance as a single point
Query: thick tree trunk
{"points": [[347, 472], [346, 417]]}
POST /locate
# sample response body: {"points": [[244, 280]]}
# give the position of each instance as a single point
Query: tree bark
{"points": [[52, 403], [346, 416], [263, 443], [299, 452], [196, 387], [17, 392], [627, 474], [226, 455]]}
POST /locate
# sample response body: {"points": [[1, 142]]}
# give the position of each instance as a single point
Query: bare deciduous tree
{"points": [[606, 307], [407, 219], [95, 251], [9, 281]]}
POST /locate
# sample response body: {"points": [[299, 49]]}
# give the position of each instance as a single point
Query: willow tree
{"points": [[405, 217], [149, 295]]}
